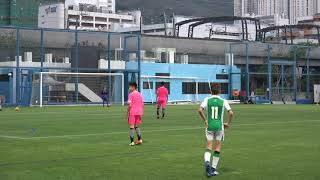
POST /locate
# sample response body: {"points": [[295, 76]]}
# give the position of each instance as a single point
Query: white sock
{"points": [[215, 160], [207, 156]]}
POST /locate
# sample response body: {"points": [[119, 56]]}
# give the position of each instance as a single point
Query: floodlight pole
{"points": [[41, 89], [282, 80], [197, 91], [122, 89], [294, 73], [247, 72], [109, 66], [18, 67], [230, 71], [308, 73], [42, 50], [77, 66], [139, 63], [269, 74]]}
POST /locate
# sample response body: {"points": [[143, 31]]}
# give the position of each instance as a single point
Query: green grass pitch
{"points": [[279, 142]]}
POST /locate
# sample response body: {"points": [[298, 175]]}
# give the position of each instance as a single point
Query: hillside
{"points": [[153, 8]]}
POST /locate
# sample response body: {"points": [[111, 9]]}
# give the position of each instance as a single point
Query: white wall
{"points": [[51, 16], [109, 4]]}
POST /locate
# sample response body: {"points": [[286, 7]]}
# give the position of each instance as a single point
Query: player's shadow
{"points": [[227, 170]]}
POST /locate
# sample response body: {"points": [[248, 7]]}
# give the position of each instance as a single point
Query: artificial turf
{"points": [[87, 143]]}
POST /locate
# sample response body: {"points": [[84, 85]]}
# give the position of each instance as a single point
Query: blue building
{"points": [[186, 82]]}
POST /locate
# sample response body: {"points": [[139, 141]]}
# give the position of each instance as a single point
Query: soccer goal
{"points": [[189, 86], [68, 88]]}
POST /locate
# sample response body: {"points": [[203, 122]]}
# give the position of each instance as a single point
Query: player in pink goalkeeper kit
{"points": [[135, 112], [162, 99]]}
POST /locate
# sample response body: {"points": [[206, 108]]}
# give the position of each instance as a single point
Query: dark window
{"points": [[162, 74], [204, 88], [54, 9], [222, 76], [4, 78], [188, 88], [146, 85], [224, 88], [163, 57], [166, 84]]}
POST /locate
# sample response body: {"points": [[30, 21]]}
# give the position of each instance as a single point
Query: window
{"points": [[54, 9], [166, 84], [162, 74], [188, 88], [4, 78], [224, 88], [146, 85], [204, 88], [222, 76]]}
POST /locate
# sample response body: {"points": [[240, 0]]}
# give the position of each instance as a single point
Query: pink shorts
{"points": [[134, 120], [162, 103]]}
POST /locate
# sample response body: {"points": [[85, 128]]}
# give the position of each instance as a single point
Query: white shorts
{"points": [[215, 135]]}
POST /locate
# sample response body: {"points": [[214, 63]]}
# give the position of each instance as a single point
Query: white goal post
{"points": [[73, 85]]}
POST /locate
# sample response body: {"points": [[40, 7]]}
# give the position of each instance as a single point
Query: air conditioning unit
{"points": [[27, 56]]}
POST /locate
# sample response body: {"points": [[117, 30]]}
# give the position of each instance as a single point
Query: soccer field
{"points": [[89, 143]]}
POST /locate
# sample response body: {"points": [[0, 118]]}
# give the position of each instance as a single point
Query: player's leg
{"points": [[163, 105], [103, 101], [207, 154], [131, 122], [158, 109], [107, 101], [219, 137], [138, 122]]}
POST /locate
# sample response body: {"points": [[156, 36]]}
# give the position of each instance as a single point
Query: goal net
{"points": [[181, 89], [66, 88]]}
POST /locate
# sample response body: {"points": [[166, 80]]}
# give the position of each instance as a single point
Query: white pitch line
{"points": [[147, 131], [96, 134]]}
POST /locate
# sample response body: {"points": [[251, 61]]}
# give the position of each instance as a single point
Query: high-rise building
{"points": [[316, 5], [291, 9], [301, 8], [245, 7]]}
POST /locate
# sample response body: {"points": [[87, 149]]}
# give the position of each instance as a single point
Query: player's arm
{"points": [[128, 110], [230, 115], [129, 105], [203, 117], [201, 110]]}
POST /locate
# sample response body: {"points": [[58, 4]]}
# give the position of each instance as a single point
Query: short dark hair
{"points": [[215, 88], [133, 84], [162, 83]]}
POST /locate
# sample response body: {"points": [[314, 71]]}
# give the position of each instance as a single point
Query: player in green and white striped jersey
{"points": [[212, 111]]}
